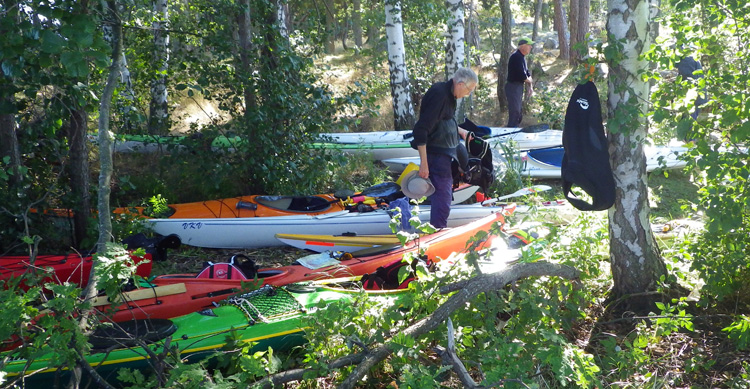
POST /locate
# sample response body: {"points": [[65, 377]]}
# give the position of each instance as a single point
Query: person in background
{"points": [[691, 70], [688, 68], [436, 135], [518, 77]]}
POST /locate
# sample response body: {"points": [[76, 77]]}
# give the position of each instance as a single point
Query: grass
{"points": [[672, 194]]}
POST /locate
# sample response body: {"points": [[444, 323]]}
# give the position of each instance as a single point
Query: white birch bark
{"points": [[127, 105], [403, 110], [635, 259], [455, 52], [159, 109], [455, 48], [281, 19]]}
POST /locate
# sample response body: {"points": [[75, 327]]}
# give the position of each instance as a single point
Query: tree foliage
{"points": [[54, 59], [719, 40]]}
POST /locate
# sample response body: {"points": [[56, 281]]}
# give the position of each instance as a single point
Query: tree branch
{"points": [[297, 374], [469, 289], [450, 355]]}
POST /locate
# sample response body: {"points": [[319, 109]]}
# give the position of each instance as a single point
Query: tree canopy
{"points": [[75, 75]]}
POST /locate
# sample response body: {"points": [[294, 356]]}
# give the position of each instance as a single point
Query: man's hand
{"points": [[424, 171], [463, 133]]}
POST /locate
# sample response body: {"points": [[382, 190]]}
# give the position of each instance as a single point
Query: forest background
{"points": [[281, 72]]}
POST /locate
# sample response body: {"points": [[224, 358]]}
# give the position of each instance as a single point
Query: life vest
{"points": [[232, 270], [474, 165], [386, 277]]}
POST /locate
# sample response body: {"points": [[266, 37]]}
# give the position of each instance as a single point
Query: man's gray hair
{"points": [[465, 75]]}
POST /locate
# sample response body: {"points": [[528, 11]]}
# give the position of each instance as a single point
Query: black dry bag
{"points": [[585, 163]]}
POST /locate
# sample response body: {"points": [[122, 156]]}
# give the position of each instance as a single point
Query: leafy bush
{"points": [[739, 332]]}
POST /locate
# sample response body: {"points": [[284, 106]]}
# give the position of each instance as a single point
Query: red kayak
{"points": [[72, 268], [179, 294]]}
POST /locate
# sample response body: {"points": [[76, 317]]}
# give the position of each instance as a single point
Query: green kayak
{"points": [[269, 317]]}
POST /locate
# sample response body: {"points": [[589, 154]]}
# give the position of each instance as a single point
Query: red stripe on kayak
{"points": [[319, 243]]}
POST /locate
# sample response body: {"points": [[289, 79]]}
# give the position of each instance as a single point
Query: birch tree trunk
{"points": [[281, 16], [635, 258], [454, 46], [403, 110], [505, 51], [126, 106], [159, 108], [105, 139], [105, 173], [455, 54], [561, 26]]}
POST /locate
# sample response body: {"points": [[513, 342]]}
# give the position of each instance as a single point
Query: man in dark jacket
{"points": [[436, 137], [518, 77]]}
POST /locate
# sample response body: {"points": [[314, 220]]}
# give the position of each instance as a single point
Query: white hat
{"points": [[416, 187]]}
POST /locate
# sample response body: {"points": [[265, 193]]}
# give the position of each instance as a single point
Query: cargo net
{"points": [[266, 303]]}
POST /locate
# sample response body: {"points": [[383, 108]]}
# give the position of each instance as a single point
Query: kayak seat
{"points": [[246, 205], [129, 333], [294, 203], [232, 270]]}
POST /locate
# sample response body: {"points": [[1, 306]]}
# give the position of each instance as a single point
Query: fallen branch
{"points": [[471, 289], [458, 366], [274, 380], [467, 290]]}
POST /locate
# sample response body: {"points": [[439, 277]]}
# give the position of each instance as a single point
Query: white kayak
{"points": [[395, 144], [354, 242], [241, 233], [545, 163]]}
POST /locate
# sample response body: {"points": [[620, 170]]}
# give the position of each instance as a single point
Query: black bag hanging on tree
{"points": [[585, 163]]}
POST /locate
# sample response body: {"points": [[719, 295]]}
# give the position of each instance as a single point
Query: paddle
{"points": [[384, 189], [520, 192], [528, 129]]}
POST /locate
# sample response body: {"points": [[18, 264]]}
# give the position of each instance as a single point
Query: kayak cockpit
{"points": [[310, 204]]}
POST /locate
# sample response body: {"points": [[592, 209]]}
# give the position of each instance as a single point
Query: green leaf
{"points": [[74, 63], [52, 43]]}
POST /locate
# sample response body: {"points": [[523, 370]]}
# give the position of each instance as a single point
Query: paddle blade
{"points": [[535, 128], [383, 189], [520, 192], [409, 168]]}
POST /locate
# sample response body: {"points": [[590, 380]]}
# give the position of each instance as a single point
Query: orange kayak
{"points": [[249, 206], [268, 205], [72, 268], [179, 294]]}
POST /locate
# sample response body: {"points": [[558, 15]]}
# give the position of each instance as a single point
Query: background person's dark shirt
{"points": [[517, 71]]}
